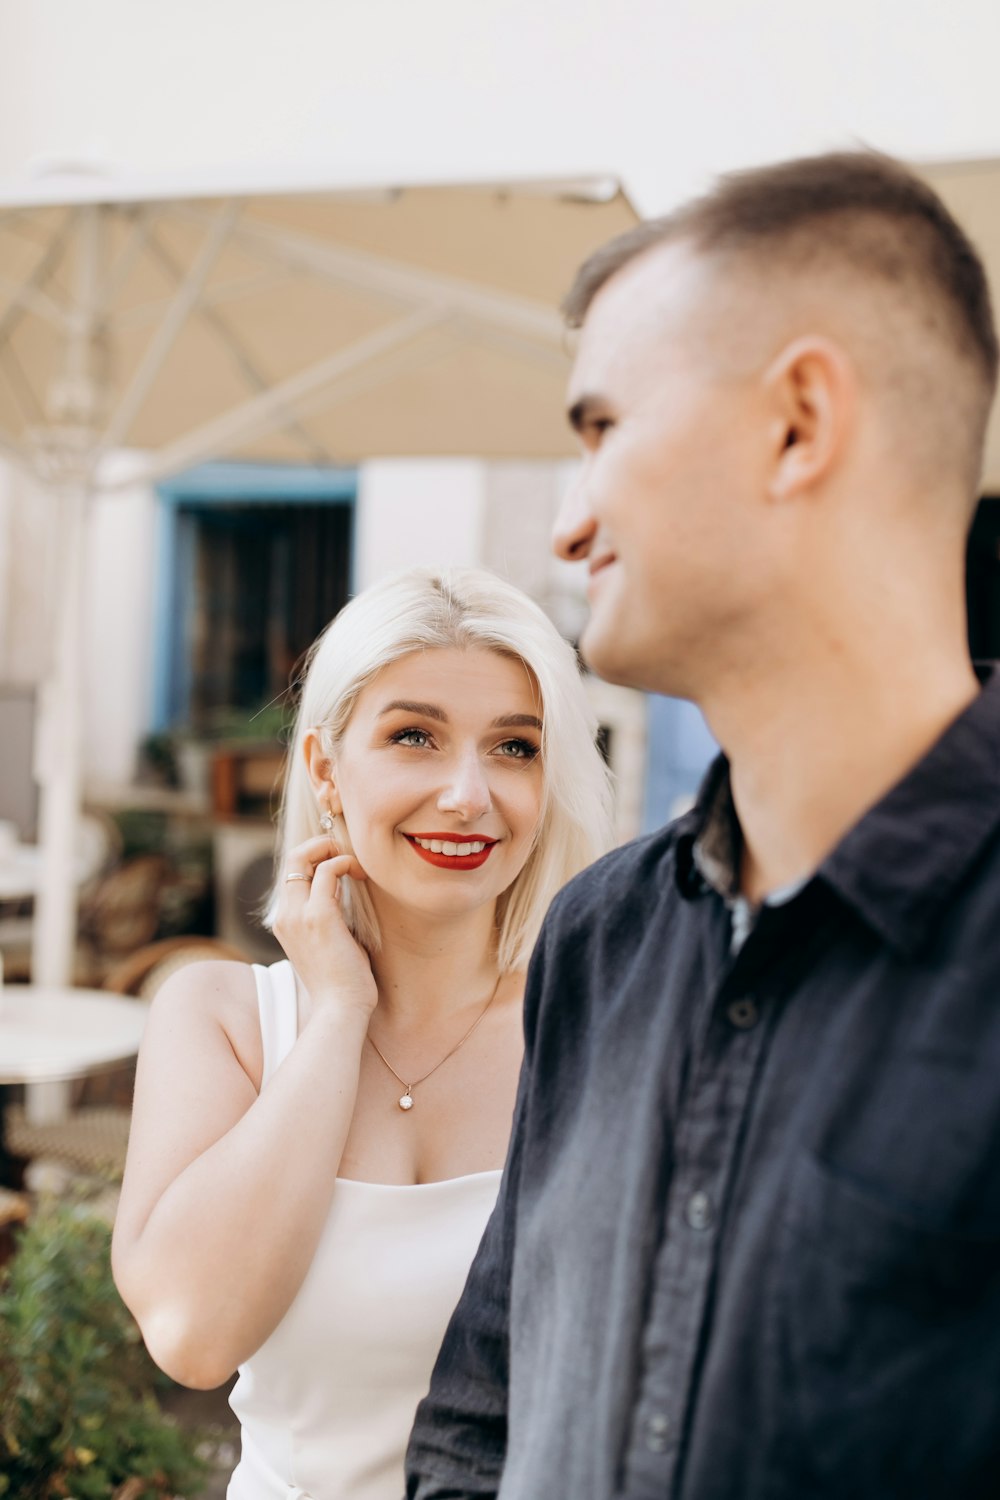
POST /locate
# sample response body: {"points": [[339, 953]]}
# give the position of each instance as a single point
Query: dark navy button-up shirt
{"points": [[747, 1245]]}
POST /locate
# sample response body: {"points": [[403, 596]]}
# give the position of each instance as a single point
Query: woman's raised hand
{"points": [[309, 925]]}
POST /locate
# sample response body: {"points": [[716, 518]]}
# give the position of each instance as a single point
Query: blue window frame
{"points": [[182, 503]]}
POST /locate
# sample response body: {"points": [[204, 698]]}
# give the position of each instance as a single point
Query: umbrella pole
{"points": [[74, 402], [57, 771], [57, 766]]}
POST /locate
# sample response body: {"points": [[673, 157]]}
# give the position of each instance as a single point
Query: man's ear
{"points": [[811, 389], [321, 772]]}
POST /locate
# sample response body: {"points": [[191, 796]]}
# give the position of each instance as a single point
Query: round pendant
{"points": [[406, 1102]]}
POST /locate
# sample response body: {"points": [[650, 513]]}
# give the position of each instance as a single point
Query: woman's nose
{"points": [[467, 790]]}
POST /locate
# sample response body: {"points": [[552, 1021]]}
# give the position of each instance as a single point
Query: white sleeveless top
{"points": [[327, 1402]]}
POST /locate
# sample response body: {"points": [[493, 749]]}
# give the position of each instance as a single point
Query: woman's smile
{"points": [[452, 851]]}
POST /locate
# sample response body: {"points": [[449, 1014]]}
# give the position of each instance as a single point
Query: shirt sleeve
{"points": [[459, 1440]]}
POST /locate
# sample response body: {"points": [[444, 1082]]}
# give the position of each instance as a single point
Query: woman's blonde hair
{"points": [[424, 609]]}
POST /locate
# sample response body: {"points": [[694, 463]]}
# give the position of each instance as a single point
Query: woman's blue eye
{"points": [[518, 750], [408, 736], [418, 739]]}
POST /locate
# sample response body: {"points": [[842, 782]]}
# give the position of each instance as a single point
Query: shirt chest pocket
{"points": [[884, 1331]]}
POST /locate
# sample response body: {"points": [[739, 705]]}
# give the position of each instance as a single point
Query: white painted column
{"points": [[119, 587], [418, 513]]}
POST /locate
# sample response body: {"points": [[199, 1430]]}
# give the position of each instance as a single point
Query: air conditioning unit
{"points": [[244, 868]]}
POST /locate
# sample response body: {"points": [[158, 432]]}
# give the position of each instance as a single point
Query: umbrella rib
{"points": [[405, 283], [173, 320], [20, 386], [24, 298], [370, 374], [266, 411], [119, 273], [237, 290], [17, 306], [229, 339], [510, 341]]}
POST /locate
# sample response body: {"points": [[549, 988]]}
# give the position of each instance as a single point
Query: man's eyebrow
{"points": [[583, 411], [404, 705]]}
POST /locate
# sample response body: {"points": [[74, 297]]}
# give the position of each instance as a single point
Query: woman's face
{"points": [[439, 778]]}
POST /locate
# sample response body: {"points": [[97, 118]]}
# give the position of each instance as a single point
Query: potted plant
{"points": [[79, 1417]]}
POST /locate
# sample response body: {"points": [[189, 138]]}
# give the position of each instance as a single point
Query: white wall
{"points": [[663, 91], [417, 512]]}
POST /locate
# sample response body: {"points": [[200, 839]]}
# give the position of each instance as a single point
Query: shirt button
{"points": [[743, 1014], [699, 1211], [656, 1432]]}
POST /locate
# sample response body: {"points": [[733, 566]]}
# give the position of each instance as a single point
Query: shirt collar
{"points": [[901, 862], [708, 837]]}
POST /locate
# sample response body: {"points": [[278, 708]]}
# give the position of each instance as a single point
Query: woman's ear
{"points": [[811, 388], [321, 772]]}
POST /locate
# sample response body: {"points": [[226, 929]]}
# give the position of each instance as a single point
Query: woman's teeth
{"points": [[438, 846]]}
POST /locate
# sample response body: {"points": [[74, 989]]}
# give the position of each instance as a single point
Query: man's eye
{"points": [[415, 737], [518, 750]]}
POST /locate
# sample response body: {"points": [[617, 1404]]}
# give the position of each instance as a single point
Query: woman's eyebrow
{"points": [[404, 705], [517, 721]]}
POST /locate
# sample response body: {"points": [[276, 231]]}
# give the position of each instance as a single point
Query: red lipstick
{"points": [[452, 861]]}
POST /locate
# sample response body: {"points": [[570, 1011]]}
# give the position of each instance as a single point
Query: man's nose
{"points": [[467, 790], [575, 526]]}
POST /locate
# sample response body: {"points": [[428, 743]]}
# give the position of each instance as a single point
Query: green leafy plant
{"points": [[79, 1417]]}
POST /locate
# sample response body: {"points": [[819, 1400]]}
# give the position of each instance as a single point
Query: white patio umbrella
{"points": [[299, 324]]}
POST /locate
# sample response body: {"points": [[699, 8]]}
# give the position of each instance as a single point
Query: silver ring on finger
{"points": [[296, 876]]}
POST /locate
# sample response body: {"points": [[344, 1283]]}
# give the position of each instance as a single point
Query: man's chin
{"points": [[601, 649], [612, 654]]}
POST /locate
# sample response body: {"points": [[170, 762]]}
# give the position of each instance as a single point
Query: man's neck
{"points": [[813, 746]]}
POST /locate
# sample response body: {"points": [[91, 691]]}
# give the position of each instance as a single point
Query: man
{"points": [[748, 1241]]}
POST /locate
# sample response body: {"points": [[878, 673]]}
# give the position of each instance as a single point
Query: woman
{"points": [[316, 1146]]}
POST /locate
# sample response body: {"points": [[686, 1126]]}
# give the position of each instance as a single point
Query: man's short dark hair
{"points": [[863, 208]]}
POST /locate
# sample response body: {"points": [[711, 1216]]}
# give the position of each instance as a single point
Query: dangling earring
{"points": [[326, 822]]}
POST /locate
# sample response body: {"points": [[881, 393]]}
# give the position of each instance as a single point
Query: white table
{"points": [[21, 871], [51, 1035]]}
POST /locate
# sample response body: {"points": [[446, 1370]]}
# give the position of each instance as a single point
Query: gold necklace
{"points": [[406, 1099]]}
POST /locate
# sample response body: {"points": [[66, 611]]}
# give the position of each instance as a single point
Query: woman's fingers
{"points": [[344, 864], [306, 858], [312, 852], [326, 881], [312, 876], [315, 851], [310, 926]]}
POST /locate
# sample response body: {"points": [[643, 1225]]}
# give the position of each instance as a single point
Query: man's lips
{"points": [[597, 566], [453, 841]]}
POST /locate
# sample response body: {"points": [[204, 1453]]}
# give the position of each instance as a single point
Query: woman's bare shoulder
{"points": [[220, 992]]}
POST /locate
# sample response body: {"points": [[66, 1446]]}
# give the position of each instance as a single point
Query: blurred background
{"points": [[278, 315]]}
